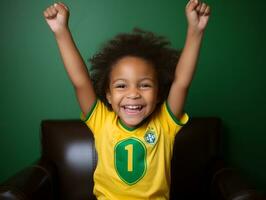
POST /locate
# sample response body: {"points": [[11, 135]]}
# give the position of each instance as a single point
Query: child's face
{"points": [[133, 90]]}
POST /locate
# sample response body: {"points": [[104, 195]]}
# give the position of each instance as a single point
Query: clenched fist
{"points": [[56, 17], [197, 15]]}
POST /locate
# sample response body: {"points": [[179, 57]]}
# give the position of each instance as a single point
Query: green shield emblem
{"points": [[130, 160]]}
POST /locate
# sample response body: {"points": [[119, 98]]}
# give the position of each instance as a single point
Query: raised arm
{"points": [[197, 16], [56, 17]]}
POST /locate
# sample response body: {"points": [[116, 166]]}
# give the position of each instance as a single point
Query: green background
{"points": [[228, 83]]}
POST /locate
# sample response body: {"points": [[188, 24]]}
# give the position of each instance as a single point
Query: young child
{"points": [[133, 102]]}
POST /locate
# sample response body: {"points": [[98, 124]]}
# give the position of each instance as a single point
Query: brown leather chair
{"points": [[68, 159]]}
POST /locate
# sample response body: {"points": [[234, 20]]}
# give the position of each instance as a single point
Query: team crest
{"points": [[150, 137]]}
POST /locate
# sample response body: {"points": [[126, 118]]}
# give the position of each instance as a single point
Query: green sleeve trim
{"points": [[90, 112], [177, 121]]}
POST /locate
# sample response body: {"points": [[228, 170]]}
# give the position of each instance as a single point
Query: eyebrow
{"points": [[143, 79], [147, 78]]}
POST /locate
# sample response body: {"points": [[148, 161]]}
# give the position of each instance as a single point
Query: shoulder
{"points": [[98, 114], [164, 117]]}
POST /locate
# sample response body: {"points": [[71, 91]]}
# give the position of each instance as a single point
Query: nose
{"points": [[133, 93]]}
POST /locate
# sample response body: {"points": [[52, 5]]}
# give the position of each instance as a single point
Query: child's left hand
{"points": [[197, 15]]}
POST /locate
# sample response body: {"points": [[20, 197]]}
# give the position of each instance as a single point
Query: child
{"points": [[133, 102]]}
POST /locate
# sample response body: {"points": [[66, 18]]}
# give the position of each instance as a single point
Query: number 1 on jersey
{"points": [[129, 149]]}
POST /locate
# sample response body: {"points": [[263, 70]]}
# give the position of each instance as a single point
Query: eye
{"points": [[120, 86], [145, 85]]}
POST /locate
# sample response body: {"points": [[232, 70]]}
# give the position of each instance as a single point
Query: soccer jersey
{"points": [[133, 163]]}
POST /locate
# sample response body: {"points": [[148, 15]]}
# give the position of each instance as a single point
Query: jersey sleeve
{"points": [[171, 124], [96, 116]]}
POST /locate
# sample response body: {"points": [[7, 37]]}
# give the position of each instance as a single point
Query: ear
{"points": [[108, 97]]}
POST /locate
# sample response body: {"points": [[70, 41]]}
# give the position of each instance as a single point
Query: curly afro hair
{"points": [[142, 44]]}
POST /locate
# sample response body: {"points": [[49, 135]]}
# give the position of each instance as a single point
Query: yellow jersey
{"points": [[133, 163]]}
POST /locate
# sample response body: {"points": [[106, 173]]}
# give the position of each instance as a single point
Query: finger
{"points": [[61, 8], [198, 7], [46, 15], [49, 12], [63, 5], [203, 8], [192, 4], [53, 10], [207, 11]]}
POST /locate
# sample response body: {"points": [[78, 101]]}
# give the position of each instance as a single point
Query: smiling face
{"points": [[133, 90]]}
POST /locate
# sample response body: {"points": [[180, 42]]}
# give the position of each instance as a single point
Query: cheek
{"points": [[115, 97], [153, 97]]}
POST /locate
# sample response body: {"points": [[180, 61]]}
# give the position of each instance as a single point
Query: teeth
{"points": [[133, 107]]}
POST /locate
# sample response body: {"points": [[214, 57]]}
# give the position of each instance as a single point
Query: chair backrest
{"points": [[196, 148], [69, 145]]}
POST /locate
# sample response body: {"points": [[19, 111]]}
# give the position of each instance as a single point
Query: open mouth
{"points": [[133, 109]]}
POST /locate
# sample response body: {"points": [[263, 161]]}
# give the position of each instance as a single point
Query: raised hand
{"points": [[56, 17], [197, 15]]}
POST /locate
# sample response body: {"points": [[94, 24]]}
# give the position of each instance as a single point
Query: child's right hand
{"points": [[56, 17]]}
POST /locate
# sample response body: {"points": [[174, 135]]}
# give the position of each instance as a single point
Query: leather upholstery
{"points": [[68, 159], [69, 145]]}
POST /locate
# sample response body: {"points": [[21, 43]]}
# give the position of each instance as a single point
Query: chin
{"points": [[133, 119], [132, 123]]}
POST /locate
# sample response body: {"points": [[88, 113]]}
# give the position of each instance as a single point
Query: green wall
{"points": [[229, 81]]}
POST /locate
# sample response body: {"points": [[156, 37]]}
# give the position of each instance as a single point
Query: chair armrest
{"points": [[227, 184], [33, 182]]}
